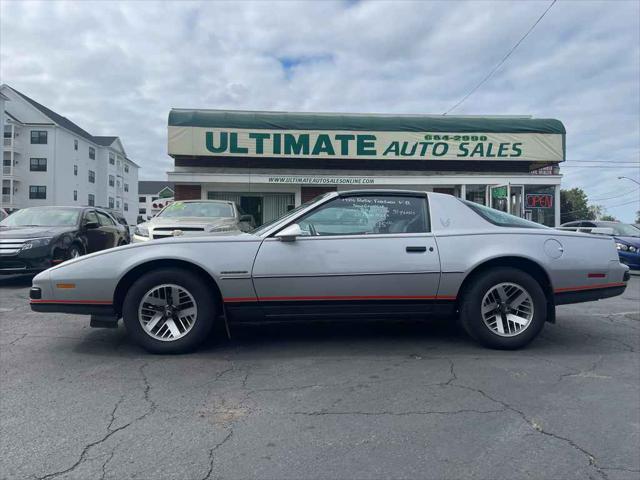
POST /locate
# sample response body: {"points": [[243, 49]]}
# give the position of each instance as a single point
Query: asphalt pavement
{"points": [[321, 401]]}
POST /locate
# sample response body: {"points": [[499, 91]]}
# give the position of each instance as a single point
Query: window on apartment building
{"points": [[37, 192], [75, 195], [92, 153], [119, 164], [6, 190], [118, 183], [126, 187], [38, 164], [112, 158], [112, 180], [117, 203], [110, 202], [7, 131], [153, 199], [91, 201], [75, 170], [126, 168], [142, 199], [39, 137], [126, 207], [92, 176], [75, 144], [142, 211]]}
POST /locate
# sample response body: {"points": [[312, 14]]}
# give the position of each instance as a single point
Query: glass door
{"points": [[516, 200], [498, 197]]}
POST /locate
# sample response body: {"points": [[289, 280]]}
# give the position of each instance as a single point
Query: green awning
{"points": [[361, 122]]}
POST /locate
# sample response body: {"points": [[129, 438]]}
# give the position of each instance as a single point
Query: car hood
{"points": [[33, 232], [635, 241]]}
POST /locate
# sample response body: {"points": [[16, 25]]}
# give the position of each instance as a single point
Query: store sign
{"points": [[213, 142], [499, 192], [302, 180], [539, 200]]}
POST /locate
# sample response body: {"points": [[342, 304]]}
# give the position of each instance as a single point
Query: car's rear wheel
{"points": [[169, 311], [503, 308]]}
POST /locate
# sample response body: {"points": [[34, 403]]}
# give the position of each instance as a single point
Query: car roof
{"points": [[380, 191]]}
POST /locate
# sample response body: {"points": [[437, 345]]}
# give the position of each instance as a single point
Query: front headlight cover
{"points": [[36, 242], [141, 231]]}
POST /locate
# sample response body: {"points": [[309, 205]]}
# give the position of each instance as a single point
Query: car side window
{"points": [[105, 221], [367, 215], [91, 217]]}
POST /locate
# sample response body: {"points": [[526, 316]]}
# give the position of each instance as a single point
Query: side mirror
{"points": [[91, 225], [602, 231], [246, 219], [289, 233]]}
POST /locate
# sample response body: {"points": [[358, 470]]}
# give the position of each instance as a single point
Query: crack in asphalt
{"points": [[538, 428], [110, 432], [212, 451]]}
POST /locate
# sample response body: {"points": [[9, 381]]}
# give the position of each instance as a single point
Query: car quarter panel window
{"points": [[367, 215]]}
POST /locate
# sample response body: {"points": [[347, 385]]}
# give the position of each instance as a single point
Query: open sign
{"points": [[539, 200]]}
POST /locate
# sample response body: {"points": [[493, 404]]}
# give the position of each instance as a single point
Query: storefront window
{"points": [[539, 204], [477, 194]]}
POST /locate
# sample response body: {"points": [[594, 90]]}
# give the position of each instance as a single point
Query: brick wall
{"points": [[188, 192]]}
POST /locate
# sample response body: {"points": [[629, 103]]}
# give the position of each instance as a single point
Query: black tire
{"points": [[195, 286], [471, 308], [73, 249]]}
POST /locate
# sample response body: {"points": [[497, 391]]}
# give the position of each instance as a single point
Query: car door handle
{"points": [[416, 249]]}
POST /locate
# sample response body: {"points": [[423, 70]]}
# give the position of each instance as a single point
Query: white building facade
{"points": [[271, 162], [49, 160], [153, 196]]}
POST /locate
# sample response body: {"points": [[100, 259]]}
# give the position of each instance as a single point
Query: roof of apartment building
{"points": [[64, 122], [104, 141], [151, 187]]}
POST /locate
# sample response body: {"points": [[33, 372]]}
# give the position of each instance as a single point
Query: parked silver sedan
{"points": [[359, 254], [193, 217]]}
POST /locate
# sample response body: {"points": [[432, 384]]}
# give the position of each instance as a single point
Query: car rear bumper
{"points": [[591, 294]]}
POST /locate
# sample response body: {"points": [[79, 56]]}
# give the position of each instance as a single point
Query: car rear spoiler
{"points": [[592, 230]]}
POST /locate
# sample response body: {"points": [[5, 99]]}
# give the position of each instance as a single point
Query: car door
{"points": [[91, 228], [109, 229], [359, 255]]}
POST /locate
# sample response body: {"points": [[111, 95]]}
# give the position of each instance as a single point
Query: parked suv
{"points": [[194, 217], [36, 238]]}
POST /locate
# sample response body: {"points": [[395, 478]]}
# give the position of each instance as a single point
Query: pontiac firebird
{"points": [[346, 255]]}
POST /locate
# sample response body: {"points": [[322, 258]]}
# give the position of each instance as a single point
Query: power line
{"points": [[504, 59], [615, 196]]}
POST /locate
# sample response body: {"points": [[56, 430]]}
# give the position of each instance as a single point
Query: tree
{"points": [[608, 218], [574, 205]]}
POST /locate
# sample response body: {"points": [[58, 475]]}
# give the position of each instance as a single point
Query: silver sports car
{"points": [[358, 254]]}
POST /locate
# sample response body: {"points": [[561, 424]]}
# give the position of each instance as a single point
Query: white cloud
{"points": [[117, 68]]}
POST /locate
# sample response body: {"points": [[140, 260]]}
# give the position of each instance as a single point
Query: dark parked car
{"points": [[34, 239], [626, 236]]}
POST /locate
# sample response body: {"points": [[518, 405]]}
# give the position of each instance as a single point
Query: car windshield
{"points": [[624, 230], [197, 209], [500, 218], [42, 217]]}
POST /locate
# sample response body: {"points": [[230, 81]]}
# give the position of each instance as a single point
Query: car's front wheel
{"points": [[169, 311], [503, 308]]}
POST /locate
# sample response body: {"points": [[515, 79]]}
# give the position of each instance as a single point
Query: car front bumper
{"points": [[632, 260], [27, 261]]}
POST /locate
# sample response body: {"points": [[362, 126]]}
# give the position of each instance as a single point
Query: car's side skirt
{"points": [[588, 293], [334, 307]]}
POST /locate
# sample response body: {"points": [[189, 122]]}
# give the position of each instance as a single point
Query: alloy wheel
{"points": [[507, 309], [167, 312]]}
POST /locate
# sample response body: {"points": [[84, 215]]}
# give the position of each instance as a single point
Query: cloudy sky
{"points": [[117, 68]]}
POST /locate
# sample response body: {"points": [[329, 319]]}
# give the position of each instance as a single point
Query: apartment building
{"points": [[152, 197], [49, 160]]}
